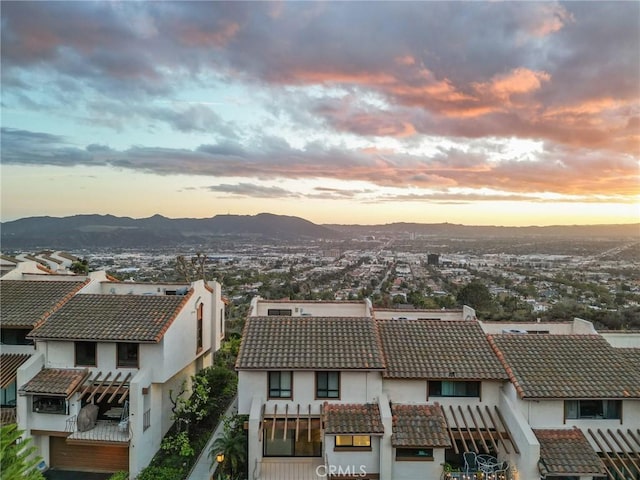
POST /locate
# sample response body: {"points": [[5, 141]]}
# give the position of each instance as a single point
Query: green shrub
{"points": [[120, 476], [160, 473]]}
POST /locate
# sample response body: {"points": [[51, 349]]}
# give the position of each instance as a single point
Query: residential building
{"points": [[110, 352], [341, 390]]}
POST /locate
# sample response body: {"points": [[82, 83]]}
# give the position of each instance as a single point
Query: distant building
{"points": [[433, 259]]}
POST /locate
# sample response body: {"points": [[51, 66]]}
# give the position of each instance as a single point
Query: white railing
{"points": [[104, 431]]}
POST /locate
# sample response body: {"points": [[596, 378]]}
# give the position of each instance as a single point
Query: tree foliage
{"points": [[476, 295], [232, 444], [17, 460]]}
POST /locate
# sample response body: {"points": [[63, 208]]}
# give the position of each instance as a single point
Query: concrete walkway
{"points": [[202, 469]]}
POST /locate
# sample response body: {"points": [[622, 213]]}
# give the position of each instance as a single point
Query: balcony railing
{"points": [[105, 431], [7, 415]]}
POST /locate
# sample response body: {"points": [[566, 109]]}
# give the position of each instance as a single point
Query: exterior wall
{"points": [[315, 309], [133, 288], [407, 470], [390, 314], [622, 339], [575, 327], [415, 391], [353, 462], [355, 387], [144, 443], [523, 436]]}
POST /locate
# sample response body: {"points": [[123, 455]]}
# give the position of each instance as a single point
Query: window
{"points": [[15, 336], [279, 312], [414, 454], [199, 328], [280, 384], [327, 384], [54, 405], [454, 389], [353, 442], [307, 444], [128, 355], [597, 409], [86, 354]]}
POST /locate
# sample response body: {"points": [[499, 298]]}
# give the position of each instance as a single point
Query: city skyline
{"points": [[483, 113]]}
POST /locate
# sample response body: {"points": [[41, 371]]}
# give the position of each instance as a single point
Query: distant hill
{"points": [[90, 231]]}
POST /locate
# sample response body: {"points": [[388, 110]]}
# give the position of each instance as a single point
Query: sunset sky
{"points": [[504, 113]]}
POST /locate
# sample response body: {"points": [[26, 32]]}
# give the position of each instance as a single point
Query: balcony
{"points": [[7, 415], [105, 431], [290, 469]]}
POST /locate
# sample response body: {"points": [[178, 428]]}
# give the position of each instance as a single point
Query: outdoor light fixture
{"points": [[220, 457]]}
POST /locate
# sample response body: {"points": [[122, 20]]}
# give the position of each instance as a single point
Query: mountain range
{"points": [[92, 231]]}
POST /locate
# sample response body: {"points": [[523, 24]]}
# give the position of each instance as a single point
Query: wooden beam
{"points": [[273, 425], [464, 420], [95, 389], [497, 427], [262, 420], [90, 383], [286, 418], [604, 451], [488, 428], [473, 419], [453, 440], [113, 395], [455, 420], [632, 435], [615, 439], [108, 387], [614, 451], [626, 440]]}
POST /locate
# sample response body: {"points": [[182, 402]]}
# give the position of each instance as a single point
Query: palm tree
{"points": [[229, 450], [16, 459]]}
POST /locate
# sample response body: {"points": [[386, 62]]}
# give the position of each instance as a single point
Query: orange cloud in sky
{"points": [[517, 81], [196, 37]]}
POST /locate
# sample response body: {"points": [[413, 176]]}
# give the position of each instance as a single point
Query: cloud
{"points": [[561, 170], [324, 84], [253, 191]]}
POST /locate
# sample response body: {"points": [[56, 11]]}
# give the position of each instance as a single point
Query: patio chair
{"points": [[501, 471], [470, 463]]}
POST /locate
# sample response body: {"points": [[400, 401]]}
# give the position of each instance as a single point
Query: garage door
{"points": [[88, 458]]}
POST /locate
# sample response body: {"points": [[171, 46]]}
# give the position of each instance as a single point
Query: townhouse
{"points": [[92, 389], [340, 390]]}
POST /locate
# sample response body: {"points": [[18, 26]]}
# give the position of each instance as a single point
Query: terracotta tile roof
{"points": [[567, 366], [438, 349], [24, 303], [9, 364], [419, 426], [310, 343], [139, 318], [55, 381], [352, 418], [567, 452]]}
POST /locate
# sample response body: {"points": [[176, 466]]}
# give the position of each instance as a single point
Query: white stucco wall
{"points": [[355, 387], [416, 470], [415, 391], [356, 462], [390, 314], [315, 309]]}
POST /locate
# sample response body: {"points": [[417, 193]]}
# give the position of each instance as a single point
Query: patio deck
{"points": [[105, 431], [294, 469]]}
